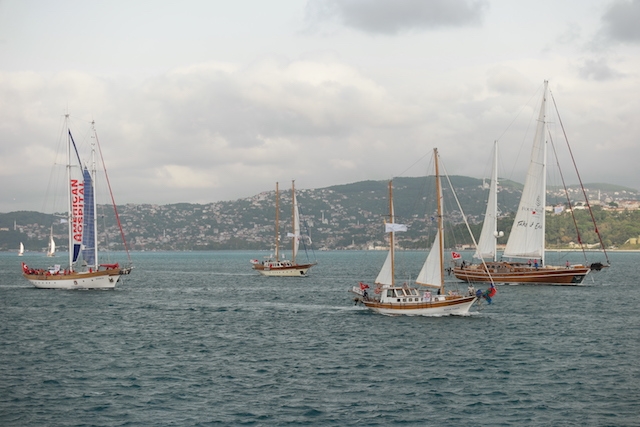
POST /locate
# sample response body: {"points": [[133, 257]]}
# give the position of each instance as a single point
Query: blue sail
{"points": [[88, 224]]}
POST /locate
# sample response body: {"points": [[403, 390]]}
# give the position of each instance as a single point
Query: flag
{"points": [[455, 255], [390, 227], [363, 286]]}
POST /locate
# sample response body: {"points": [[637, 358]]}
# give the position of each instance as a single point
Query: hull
{"points": [[105, 279], [439, 306], [294, 270], [505, 272]]}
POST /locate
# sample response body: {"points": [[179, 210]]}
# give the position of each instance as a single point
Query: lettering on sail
{"points": [[534, 216], [77, 209]]}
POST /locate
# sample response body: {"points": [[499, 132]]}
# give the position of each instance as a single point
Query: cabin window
{"points": [[390, 293], [400, 292]]}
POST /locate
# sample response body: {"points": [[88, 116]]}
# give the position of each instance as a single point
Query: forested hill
{"points": [[338, 217]]}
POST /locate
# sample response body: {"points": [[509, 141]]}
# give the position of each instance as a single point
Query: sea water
{"points": [[199, 339]]}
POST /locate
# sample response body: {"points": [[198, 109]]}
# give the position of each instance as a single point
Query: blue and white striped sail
{"points": [[88, 235]]}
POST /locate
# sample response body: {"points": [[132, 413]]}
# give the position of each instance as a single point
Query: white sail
{"points": [[385, 277], [430, 273], [527, 233], [487, 243], [51, 249], [21, 250]]}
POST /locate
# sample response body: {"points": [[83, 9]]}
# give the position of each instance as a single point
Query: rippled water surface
{"points": [[197, 339]]}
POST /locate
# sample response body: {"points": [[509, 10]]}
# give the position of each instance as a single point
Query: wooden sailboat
{"points": [[51, 248], [527, 238], [84, 270], [274, 265], [392, 298]]}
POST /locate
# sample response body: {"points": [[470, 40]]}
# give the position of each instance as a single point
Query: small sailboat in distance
{"points": [[274, 265], [21, 249]]}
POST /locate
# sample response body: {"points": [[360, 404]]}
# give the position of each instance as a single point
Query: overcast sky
{"points": [[202, 101]]}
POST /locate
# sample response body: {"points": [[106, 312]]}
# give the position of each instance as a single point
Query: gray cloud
{"points": [[621, 21], [598, 69], [395, 16]]}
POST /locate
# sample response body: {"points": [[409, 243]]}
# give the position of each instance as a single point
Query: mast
{"points": [[543, 114], [277, 222], [440, 223], [94, 174], [494, 206], [70, 211], [391, 235], [293, 222]]}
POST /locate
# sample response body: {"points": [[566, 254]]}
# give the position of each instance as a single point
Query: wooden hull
{"points": [[505, 272], [438, 306], [294, 270], [103, 279]]}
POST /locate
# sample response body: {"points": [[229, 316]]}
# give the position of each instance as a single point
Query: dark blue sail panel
{"points": [[76, 251], [88, 236]]}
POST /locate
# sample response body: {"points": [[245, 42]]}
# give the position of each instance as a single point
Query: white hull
{"points": [[423, 309], [101, 282], [285, 272]]}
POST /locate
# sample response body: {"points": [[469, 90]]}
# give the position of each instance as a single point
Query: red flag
{"points": [[363, 286], [455, 255]]}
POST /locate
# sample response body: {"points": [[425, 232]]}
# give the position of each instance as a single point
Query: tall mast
{"points": [[391, 235], [543, 116], [70, 212], [93, 185], [293, 222], [277, 222], [494, 190], [440, 223]]}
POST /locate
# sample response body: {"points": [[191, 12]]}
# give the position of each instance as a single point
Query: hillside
{"points": [[342, 216]]}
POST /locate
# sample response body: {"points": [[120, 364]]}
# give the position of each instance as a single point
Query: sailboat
{"points": [[51, 249], [84, 270], [392, 298], [274, 265], [21, 250], [527, 238]]}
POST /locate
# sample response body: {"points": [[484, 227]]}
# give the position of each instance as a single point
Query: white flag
{"points": [[391, 227]]}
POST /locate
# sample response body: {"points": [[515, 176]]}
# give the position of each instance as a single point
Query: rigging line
{"points": [[593, 219], [517, 115], [455, 196], [113, 201], [566, 192], [413, 164]]}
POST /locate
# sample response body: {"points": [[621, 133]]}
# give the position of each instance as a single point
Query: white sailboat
{"points": [[274, 265], [84, 270], [527, 238], [21, 249], [391, 298], [51, 248]]}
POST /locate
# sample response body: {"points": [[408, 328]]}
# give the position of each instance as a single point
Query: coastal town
{"points": [[336, 218]]}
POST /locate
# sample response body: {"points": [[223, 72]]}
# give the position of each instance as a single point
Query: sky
{"points": [[202, 100]]}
